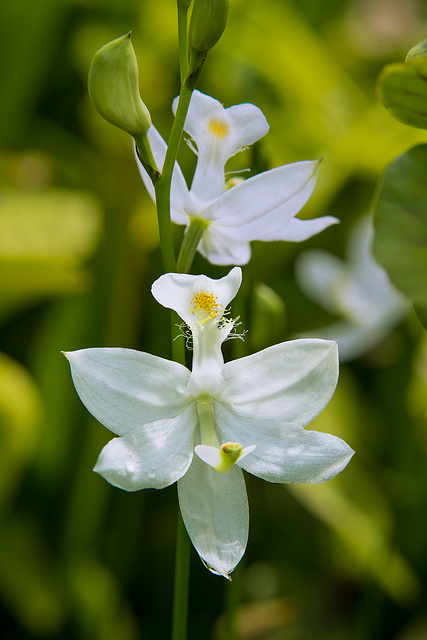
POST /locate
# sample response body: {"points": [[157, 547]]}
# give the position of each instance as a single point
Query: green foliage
{"points": [[401, 223], [402, 88]]}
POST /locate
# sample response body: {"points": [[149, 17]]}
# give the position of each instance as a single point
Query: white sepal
{"points": [[124, 388]]}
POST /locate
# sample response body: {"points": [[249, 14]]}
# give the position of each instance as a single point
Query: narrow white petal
{"points": [[176, 290], [267, 201], [215, 511], [284, 453], [293, 381], [125, 389], [152, 456], [297, 230], [219, 133]]}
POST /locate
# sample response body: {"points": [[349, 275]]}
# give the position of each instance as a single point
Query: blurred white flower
{"points": [[246, 414], [260, 208], [357, 289]]}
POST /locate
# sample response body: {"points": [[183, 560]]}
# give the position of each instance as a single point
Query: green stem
{"points": [[183, 37], [145, 156], [190, 243], [181, 584], [163, 185], [232, 600]]}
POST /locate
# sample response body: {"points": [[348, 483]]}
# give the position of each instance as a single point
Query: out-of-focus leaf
{"points": [[420, 49], [20, 413], [421, 311], [402, 88], [268, 317], [26, 27], [29, 581], [44, 238], [362, 536], [97, 597], [400, 218]]}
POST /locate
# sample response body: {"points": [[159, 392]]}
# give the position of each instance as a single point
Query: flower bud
{"points": [[207, 23], [113, 87]]}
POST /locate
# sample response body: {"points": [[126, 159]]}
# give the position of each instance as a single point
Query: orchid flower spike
{"points": [[246, 414], [260, 208], [357, 289]]}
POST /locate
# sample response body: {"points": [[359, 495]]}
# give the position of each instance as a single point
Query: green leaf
{"points": [[421, 311], [20, 420], [45, 239], [402, 88], [400, 219]]}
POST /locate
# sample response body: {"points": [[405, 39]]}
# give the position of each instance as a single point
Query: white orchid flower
{"points": [[260, 208], [358, 289], [246, 414]]}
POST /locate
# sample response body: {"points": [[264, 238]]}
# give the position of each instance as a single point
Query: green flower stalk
{"points": [[113, 87]]}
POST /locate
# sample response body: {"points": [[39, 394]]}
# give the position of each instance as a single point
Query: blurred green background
{"points": [[78, 253]]}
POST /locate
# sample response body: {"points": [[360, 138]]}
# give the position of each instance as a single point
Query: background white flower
{"points": [[247, 414], [357, 289], [260, 208]]}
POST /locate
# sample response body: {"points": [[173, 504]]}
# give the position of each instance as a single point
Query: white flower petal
{"points": [[215, 511], [292, 381], [125, 389], [152, 456], [297, 230], [318, 273], [353, 339], [220, 249], [284, 454], [179, 189], [258, 208], [176, 290], [219, 133]]}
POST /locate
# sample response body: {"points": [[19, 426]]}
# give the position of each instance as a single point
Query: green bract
{"points": [[113, 87], [207, 23]]}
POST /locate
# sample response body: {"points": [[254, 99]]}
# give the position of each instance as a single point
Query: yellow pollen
{"points": [[218, 128], [205, 305]]}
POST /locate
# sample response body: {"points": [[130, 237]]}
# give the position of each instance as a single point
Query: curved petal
{"points": [[297, 230], [219, 133], [176, 290], [284, 454], [292, 381], [125, 389], [258, 208], [353, 340], [152, 456], [215, 511], [179, 189]]}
